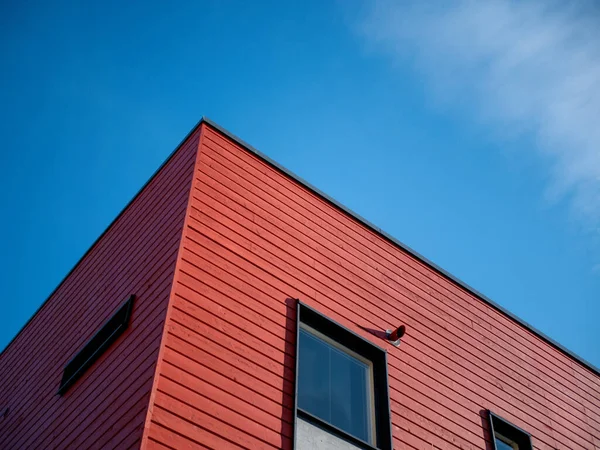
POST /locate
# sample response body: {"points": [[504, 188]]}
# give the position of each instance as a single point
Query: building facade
{"points": [[232, 305]]}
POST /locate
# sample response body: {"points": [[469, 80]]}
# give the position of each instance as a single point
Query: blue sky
{"points": [[452, 128]]}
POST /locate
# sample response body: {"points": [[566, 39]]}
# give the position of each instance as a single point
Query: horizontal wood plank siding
{"points": [[254, 240], [107, 406]]}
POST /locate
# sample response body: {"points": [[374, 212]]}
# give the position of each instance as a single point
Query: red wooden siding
{"points": [[253, 238], [215, 247], [107, 407]]}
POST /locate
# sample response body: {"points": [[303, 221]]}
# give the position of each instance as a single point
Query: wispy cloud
{"points": [[527, 68]]}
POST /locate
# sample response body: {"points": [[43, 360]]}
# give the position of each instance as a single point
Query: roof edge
{"points": [[404, 247]]}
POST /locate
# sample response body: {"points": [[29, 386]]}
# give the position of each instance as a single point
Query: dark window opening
{"points": [[506, 436], [110, 331], [341, 382]]}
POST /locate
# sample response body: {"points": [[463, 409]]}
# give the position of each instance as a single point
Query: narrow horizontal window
{"points": [[342, 388], [507, 436], [97, 345]]}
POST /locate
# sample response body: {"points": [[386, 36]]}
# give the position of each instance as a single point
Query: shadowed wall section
{"points": [[107, 406]]}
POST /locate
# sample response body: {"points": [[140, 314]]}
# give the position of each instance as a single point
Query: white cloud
{"points": [[528, 68]]}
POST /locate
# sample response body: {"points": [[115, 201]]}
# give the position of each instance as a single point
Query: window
{"points": [[507, 436], [110, 331], [341, 384]]}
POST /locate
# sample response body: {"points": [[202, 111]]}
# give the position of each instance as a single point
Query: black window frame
{"points": [[510, 431], [108, 333], [378, 357]]}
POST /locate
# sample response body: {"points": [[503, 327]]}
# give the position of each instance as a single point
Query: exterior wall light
{"points": [[395, 336]]}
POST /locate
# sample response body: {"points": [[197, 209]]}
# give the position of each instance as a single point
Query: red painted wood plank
{"points": [[125, 436], [202, 331], [240, 281], [223, 406], [219, 291], [113, 423], [156, 445], [273, 406], [223, 306], [163, 436], [196, 423], [234, 326], [230, 356], [238, 370]]}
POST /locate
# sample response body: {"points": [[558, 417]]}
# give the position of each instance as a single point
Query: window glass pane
{"points": [[334, 386], [501, 445], [313, 376], [350, 403]]}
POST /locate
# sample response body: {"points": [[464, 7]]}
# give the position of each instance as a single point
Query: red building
{"points": [[232, 305]]}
